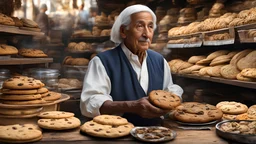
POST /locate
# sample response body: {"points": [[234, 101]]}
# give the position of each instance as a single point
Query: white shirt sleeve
{"points": [[168, 83], [96, 89]]}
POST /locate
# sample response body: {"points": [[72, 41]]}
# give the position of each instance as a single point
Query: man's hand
{"points": [[145, 109]]}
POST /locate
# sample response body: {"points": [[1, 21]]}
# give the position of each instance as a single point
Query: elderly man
{"points": [[118, 80]]}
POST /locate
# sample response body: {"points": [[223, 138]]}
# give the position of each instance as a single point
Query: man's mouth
{"points": [[142, 39]]}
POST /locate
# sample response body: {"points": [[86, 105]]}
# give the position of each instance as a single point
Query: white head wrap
{"points": [[125, 19]]}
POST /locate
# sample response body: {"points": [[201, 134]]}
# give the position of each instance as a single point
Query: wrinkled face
{"points": [[140, 32]]}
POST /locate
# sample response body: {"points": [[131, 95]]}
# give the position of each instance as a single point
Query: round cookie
{"points": [[243, 116], [193, 112], [51, 96], [59, 124], [22, 141], [106, 131], [229, 71], [27, 102], [22, 82], [232, 107], [4, 111], [56, 114], [18, 92], [252, 112], [20, 133], [42, 90], [195, 59], [242, 78], [110, 120], [229, 117], [20, 97], [203, 71], [249, 72], [164, 99]]}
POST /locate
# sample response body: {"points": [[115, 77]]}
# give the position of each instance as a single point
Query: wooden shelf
{"points": [[244, 84], [90, 39], [16, 30], [20, 61]]}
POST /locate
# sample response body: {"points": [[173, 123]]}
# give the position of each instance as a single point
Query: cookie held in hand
{"points": [[164, 99]]}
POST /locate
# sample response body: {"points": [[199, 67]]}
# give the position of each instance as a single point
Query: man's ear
{"points": [[123, 32]]}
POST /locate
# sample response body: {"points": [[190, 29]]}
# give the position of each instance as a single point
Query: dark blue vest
{"points": [[124, 83]]}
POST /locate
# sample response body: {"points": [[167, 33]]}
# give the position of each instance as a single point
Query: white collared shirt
{"points": [[97, 85]]}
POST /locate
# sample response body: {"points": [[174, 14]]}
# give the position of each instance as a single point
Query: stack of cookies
{"points": [[18, 133], [164, 100], [236, 111], [107, 126], [194, 112], [50, 96], [58, 120], [22, 90], [17, 113]]}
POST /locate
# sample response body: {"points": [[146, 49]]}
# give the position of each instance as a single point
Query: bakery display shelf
{"points": [[185, 45], [244, 84], [231, 40], [20, 61], [90, 39], [16, 30], [199, 34], [170, 45], [219, 42], [244, 36], [64, 97]]}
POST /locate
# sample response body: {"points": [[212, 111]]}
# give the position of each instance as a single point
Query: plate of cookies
{"points": [[153, 134], [242, 131]]}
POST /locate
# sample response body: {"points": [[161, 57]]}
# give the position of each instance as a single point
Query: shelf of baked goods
{"points": [[247, 33], [20, 61], [223, 66], [10, 55], [239, 83], [185, 41], [209, 38], [20, 31], [219, 37], [96, 35], [217, 30]]}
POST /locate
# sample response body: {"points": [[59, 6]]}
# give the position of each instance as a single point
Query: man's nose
{"points": [[145, 32]]}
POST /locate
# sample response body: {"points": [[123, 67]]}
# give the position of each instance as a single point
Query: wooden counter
{"points": [[183, 137]]}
